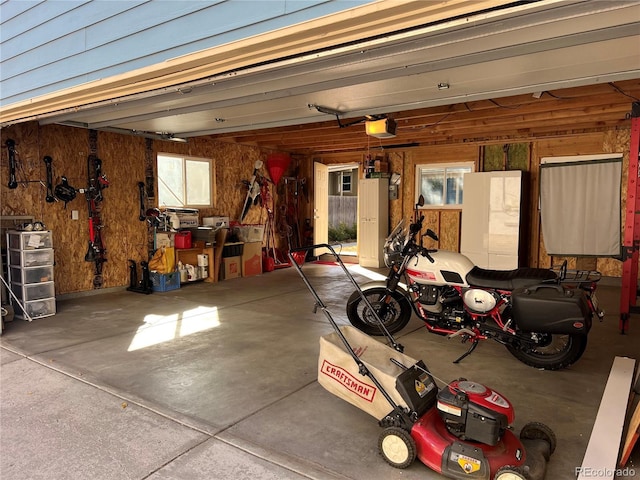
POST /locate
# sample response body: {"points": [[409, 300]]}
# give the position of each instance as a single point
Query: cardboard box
{"points": [[164, 239], [217, 222], [188, 221], [232, 267], [189, 217], [252, 259], [381, 166]]}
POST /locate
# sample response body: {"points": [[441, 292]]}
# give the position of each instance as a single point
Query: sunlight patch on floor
{"points": [[158, 329], [366, 272]]}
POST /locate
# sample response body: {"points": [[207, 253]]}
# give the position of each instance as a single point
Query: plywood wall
{"points": [[447, 223], [125, 162], [128, 160]]}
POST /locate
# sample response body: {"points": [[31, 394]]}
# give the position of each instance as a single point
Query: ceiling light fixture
{"points": [[382, 128]]}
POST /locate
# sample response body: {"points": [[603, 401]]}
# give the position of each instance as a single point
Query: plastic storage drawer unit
{"points": [[31, 258], [26, 275], [38, 308], [36, 291], [29, 240]]}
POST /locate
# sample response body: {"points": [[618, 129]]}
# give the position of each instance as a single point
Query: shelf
{"points": [[190, 256]]}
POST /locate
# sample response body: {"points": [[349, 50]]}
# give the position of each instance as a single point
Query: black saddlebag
{"points": [[551, 309]]}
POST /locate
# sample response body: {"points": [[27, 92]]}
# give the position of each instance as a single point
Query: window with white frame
{"points": [[346, 182], [442, 184], [185, 181]]}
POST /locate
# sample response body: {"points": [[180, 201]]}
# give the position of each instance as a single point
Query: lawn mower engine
{"points": [[474, 412]]}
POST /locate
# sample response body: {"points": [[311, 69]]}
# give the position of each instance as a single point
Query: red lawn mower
{"points": [[461, 431]]}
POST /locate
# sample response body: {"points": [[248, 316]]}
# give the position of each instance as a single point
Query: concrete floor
{"points": [[218, 381]]}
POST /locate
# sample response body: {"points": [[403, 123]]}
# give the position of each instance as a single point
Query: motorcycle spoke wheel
{"points": [[551, 351], [394, 314]]}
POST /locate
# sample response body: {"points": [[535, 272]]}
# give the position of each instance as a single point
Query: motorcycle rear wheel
{"points": [[397, 312], [554, 353]]}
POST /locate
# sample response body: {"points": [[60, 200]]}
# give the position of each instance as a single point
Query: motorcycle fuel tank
{"points": [[447, 268]]}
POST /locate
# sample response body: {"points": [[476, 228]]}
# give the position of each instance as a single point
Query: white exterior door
{"points": [[320, 205]]}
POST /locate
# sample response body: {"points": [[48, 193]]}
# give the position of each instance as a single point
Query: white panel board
{"points": [[601, 456], [491, 219]]}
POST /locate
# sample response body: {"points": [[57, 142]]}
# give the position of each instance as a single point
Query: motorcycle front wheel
{"points": [[395, 314], [551, 352]]}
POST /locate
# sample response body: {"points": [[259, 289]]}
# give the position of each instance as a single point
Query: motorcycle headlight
{"points": [[393, 245]]}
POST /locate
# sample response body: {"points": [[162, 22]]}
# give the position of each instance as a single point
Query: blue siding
{"points": [[39, 13], [50, 45]]}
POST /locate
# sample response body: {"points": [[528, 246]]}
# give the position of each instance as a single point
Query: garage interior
{"points": [[218, 379]]}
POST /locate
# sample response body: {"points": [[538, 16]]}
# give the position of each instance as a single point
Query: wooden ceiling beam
{"points": [[522, 116]]}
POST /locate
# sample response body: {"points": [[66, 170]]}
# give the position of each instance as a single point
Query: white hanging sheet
{"points": [[580, 205]]}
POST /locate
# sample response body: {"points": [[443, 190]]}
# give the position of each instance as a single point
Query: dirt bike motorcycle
{"points": [[542, 316]]}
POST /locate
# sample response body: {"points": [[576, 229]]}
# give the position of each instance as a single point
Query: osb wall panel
{"points": [[614, 142], [123, 162], [233, 164], [446, 225], [450, 222], [396, 207], [28, 198], [124, 235]]}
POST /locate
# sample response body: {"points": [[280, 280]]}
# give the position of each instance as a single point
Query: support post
{"points": [[631, 245]]}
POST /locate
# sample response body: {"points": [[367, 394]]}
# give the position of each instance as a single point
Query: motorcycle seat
{"points": [[509, 279]]}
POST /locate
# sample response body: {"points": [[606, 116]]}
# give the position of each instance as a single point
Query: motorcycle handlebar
{"points": [[425, 252]]}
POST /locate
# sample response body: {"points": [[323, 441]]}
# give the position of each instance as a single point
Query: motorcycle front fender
{"points": [[375, 284]]}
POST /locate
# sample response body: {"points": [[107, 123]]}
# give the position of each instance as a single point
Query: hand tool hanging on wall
{"points": [[11, 146], [143, 215], [65, 192], [96, 252], [253, 192], [50, 198]]}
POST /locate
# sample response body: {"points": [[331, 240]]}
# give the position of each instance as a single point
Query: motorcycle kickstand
{"points": [[473, 346]]}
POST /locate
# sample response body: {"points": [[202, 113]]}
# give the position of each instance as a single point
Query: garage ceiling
{"points": [[526, 56]]}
